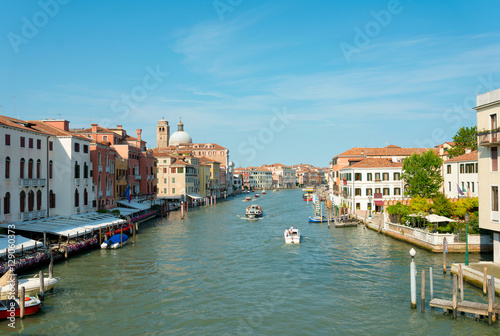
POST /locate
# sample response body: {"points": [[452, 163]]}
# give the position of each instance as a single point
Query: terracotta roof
{"points": [[20, 124], [376, 163], [472, 156], [49, 129], [99, 130], [384, 151], [205, 159]]}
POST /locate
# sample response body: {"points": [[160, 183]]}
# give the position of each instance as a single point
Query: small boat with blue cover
{"points": [[115, 242]]}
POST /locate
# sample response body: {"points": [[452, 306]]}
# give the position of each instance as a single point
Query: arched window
{"points": [[6, 204], [30, 168], [39, 200], [85, 197], [85, 170], [50, 169], [21, 168], [22, 201], [52, 200], [7, 167], [77, 198], [99, 158], [31, 200], [77, 170], [38, 168]]}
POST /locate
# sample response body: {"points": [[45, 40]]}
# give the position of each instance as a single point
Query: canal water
{"points": [[216, 273]]}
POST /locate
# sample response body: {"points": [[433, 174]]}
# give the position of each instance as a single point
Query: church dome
{"points": [[180, 137]]}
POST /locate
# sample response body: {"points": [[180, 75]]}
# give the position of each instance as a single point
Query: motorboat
{"points": [[31, 285], [248, 198], [292, 235], [253, 211], [308, 195], [115, 242], [127, 230], [256, 195], [31, 306], [263, 192], [275, 190], [318, 219]]}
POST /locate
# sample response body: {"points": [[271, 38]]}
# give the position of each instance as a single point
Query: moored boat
{"points": [[248, 198], [31, 285], [263, 192], [308, 194], [10, 308], [318, 219], [292, 235], [253, 211], [257, 195], [115, 242]]}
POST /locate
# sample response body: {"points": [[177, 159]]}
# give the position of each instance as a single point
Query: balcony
{"points": [[77, 181], [489, 138], [109, 193], [108, 169], [24, 216], [137, 177], [99, 193], [32, 182], [99, 169]]}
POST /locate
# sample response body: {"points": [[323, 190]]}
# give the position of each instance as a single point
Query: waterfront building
{"points": [[178, 175], [103, 159], [256, 177], [71, 188], [368, 183], [461, 173], [358, 154], [214, 184], [140, 160], [237, 183], [24, 186], [488, 112], [181, 141], [283, 176], [121, 176]]}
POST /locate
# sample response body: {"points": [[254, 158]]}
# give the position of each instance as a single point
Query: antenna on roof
{"points": [[14, 97]]}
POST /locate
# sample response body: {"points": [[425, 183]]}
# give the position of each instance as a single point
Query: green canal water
{"points": [[215, 273]]}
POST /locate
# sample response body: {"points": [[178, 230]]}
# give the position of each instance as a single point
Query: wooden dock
{"points": [[465, 306]]}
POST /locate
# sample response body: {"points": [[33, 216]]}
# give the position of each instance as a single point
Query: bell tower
{"points": [[162, 134]]}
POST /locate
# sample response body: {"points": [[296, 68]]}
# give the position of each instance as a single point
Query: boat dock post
{"points": [[485, 281], [422, 294], [133, 234], [121, 237], [21, 303], [444, 255], [42, 287], [100, 236], [51, 265], [16, 285]]}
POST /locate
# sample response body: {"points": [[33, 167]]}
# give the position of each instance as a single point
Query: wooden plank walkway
{"points": [[465, 306]]}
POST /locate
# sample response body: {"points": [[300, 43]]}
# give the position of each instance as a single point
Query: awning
{"points": [[26, 243], [170, 197], [68, 225], [195, 196], [134, 205], [379, 203]]}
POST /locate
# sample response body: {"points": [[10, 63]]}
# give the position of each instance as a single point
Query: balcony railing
{"points": [[491, 138], [100, 193], [109, 193], [108, 169], [32, 182], [77, 181], [137, 177], [99, 169]]}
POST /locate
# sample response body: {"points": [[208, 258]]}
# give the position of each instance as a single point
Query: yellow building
{"points": [[214, 187], [121, 177]]}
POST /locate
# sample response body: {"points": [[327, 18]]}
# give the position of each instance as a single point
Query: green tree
{"points": [[422, 174], [466, 137], [442, 205], [420, 208]]}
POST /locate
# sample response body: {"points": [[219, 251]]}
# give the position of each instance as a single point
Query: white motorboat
{"points": [[248, 198], [263, 191], [253, 211], [31, 285], [292, 235]]}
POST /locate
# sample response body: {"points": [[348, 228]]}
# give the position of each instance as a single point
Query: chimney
{"points": [[468, 150], [119, 126], [139, 132], [94, 128]]}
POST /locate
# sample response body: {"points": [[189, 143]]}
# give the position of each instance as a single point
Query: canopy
{"points": [[68, 226], [195, 196], [379, 203], [26, 243], [435, 218], [133, 205]]}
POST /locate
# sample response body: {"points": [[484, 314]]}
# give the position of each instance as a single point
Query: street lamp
{"points": [[370, 203], [467, 217], [413, 282]]}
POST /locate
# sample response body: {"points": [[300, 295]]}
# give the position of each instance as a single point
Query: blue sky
{"points": [[274, 81]]}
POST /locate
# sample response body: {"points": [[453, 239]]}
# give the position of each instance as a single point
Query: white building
{"points": [[370, 182], [488, 112], [461, 172]]}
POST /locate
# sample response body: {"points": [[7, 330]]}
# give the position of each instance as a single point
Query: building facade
{"points": [[461, 176], [488, 112]]}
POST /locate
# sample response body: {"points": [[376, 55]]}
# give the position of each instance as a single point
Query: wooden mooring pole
{"points": [[21, 302], [51, 265], [431, 283], [444, 255], [133, 234], [16, 285], [485, 281], [121, 237], [461, 282], [455, 280], [491, 294], [100, 236], [422, 294], [42, 287]]}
